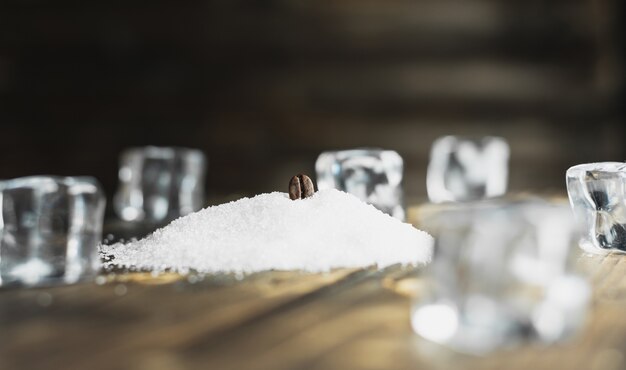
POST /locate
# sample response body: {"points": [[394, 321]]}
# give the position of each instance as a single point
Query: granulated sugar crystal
{"points": [[328, 230]]}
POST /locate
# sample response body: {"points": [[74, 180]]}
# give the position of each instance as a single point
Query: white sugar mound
{"points": [[269, 231]]}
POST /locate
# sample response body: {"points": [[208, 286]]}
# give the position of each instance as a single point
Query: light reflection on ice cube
{"points": [[437, 322], [31, 272]]}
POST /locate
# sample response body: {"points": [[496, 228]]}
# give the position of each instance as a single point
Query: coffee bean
{"points": [[300, 187]]}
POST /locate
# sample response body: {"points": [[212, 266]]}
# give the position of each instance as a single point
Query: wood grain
{"points": [[357, 319]]}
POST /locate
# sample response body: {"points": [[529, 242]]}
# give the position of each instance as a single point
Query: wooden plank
{"points": [[367, 327], [294, 338], [98, 326], [279, 320]]}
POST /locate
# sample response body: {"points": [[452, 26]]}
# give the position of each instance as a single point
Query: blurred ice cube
{"points": [[463, 169], [157, 184], [597, 196], [50, 228], [502, 274], [373, 175]]}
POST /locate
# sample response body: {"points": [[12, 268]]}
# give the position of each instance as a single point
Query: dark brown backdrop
{"points": [[264, 86]]}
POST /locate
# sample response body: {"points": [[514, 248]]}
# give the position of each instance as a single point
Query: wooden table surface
{"points": [[346, 319]]}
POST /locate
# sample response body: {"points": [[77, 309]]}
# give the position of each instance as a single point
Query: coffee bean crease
{"points": [[300, 187]]}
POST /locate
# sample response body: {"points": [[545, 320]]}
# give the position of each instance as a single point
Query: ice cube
{"points": [[50, 228], [464, 169], [372, 175], [502, 273], [157, 184], [597, 196]]}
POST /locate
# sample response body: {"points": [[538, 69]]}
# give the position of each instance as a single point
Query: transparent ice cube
{"points": [[464, 169], [372, 175], [597, 196], [502, 274], [157, 184], [50, 228]]}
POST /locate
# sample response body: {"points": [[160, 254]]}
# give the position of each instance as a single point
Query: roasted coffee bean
{"points": [[300, 187]]}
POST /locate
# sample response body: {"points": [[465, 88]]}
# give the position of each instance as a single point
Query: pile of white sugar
{"points": [[269, 231]]}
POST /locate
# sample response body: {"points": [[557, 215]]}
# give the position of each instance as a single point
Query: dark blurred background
{"points": [[264, 86]]}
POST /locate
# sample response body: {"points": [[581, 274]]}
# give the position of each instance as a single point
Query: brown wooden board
{"points": [[347, 319], [105, 326]]}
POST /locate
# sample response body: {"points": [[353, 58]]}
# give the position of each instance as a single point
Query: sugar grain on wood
{"points": [[328, 230]]}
